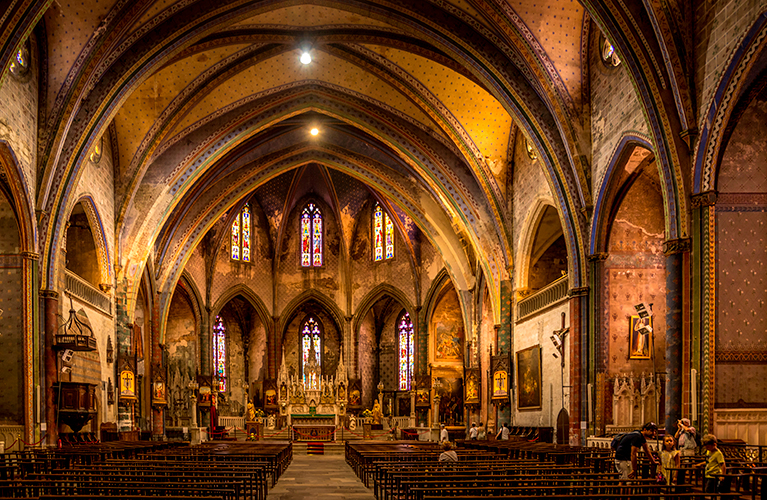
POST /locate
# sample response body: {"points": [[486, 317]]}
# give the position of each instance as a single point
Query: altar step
{"points": [[318, 448]]}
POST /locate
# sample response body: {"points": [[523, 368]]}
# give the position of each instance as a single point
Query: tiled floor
{"points": [[319, 476]]}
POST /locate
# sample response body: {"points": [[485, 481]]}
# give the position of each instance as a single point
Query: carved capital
{"points": [[30, 255], [105, 287], [49, 294], [599, 256], [580, 291], [671, 247], [706, 199]]}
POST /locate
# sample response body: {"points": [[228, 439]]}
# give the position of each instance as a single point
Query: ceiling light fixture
{"points": [[306, 58], [314, 131]]}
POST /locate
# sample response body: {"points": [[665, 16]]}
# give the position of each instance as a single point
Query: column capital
{"points": [[49, 294], [580, 291], [599, 256], [681, 245], [703, 199], [30, 255]]}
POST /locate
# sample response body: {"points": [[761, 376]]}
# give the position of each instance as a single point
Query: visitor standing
{"points": [[628, 447], [481, 432], [503, 434], [443, 436], [714, 463], [685, 436], [669, 458], [473, 432]]}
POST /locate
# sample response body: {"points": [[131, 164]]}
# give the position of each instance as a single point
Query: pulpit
{"points": [[76, 403]]}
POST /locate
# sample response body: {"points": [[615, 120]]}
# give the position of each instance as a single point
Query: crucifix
{"points": [[558, 339]]}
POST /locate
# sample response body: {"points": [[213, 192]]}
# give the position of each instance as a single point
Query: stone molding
{"points": [[681, 245], [706, 199]]}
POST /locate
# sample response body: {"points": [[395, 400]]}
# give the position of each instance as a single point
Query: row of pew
{"points": [[216, 470], [514, 469]]}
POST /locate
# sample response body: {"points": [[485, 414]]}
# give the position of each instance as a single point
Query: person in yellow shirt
{"points": [[714, 463]]}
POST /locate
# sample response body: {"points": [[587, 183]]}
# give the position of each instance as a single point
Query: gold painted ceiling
{"points": [[205, 103]]}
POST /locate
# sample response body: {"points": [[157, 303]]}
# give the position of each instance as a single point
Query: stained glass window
{"points": [[241, 235], [406, 351], [383, 235], [219, 352], [310, 334], [311, 236]]}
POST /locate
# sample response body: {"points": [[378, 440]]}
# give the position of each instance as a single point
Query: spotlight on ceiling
{"points": [[306, 58], [314, 131]]}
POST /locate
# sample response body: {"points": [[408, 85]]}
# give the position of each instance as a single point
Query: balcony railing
{"points": [[547, 296], [88, 293]]}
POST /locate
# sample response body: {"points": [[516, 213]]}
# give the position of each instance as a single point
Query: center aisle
{"points": [[319, 476]]}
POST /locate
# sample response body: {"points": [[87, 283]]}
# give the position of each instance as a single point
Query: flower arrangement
{"points": [[259, 413], [367, 413]]}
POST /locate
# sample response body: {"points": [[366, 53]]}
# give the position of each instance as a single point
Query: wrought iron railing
{"points": [[88, 293], [547, 296]]}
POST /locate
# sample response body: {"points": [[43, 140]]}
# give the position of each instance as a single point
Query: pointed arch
{"points": [[22, 202], [373, 296], [250, 296], [329, 305], [748, 60], [610, 189], [99, 237], [529, 230]]}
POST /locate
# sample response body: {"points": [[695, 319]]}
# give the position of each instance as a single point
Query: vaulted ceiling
{"points": [[207, 103]]}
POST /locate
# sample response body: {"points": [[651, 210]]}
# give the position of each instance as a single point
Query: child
{"points": [[714, 463], [669, 457]]}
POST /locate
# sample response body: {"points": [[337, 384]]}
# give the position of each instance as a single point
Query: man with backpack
{"points": [[627, 447]]}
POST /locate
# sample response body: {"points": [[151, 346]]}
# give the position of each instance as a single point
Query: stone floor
{"points": [[317, 477]]}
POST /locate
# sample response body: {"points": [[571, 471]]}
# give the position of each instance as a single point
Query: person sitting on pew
{"points": [[448, 453], [714, 463], [626, 453]]}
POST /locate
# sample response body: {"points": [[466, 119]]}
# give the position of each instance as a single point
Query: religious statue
{"points": [[251, 412], [283, 392], [352, 422], [341, 392], [271, 421], [377, 414]]}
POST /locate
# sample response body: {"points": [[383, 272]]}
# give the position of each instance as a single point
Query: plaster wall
{"points": [[615, 110], [367, 359], [18, 117], [195, 267], [536, 330]]}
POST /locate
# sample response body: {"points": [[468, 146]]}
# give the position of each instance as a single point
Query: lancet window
{"points": [[406, 351], [311, 344], [311, 236], [219, 352], [241, 235], [383, 235]]}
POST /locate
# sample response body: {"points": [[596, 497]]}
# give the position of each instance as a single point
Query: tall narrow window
{"points": [[219, 352], [241, 235], [311, 236], [383, 235], [406, 351], [311, 343]]}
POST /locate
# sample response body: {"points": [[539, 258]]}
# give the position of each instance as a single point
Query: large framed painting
{"points": [[500, 366], [640, 337], [423, 389], [529, 378]]}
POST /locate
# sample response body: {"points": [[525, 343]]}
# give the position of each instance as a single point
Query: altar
{"points": [[313, 427]]}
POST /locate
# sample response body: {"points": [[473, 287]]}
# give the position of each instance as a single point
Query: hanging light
{"points": [[306, 57], [314, 131]]}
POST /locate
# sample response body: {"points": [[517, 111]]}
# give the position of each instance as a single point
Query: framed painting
{"points": [[640, 337], [499, 390], [529, 378], [472, 384]]}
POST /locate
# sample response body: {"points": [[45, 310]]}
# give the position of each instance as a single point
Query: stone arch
{"points": [[610, 190], [290, 310], [530, 228], [99, 238], [374, 295], [748, 61], [249, 295]]}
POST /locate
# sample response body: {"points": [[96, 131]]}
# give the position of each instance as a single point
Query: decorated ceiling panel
{"points": [[69, 26], [286, 68], [144, 105], [310, 15], [478, 112], [556, 26]]}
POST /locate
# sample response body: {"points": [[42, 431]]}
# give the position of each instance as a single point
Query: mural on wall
{"points": [[447, 328], [529, 378], [640, 337]]}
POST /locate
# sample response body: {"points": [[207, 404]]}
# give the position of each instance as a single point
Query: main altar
{"points": [[312, 404]]}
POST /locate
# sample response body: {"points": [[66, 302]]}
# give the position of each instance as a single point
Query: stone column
{"points": [[598, 340], [677, 254], [51, 309], [579, 368]]}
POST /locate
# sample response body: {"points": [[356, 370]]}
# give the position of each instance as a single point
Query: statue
{"points": [[271, 421], [352, 422], [251, 412], [377, 415]]}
